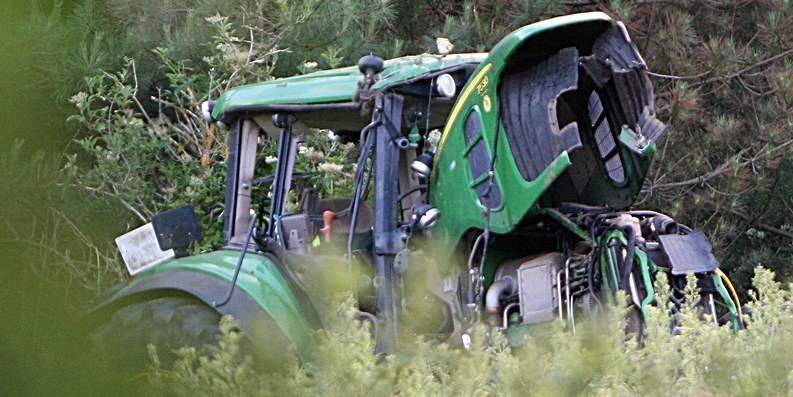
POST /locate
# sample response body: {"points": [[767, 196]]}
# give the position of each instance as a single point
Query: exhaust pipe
{"points": [[497, 290]]}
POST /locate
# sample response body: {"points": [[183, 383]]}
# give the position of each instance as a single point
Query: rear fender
{"points": [[262, 296]]}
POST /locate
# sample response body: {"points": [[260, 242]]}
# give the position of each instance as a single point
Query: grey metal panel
{"points": [[243, 184], [536, 279], [649, 126]]}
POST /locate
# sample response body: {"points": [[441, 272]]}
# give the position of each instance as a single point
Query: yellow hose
{"points": [[732, 292]]}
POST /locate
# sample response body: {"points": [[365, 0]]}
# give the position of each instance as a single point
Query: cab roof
{"points": [[328, 97], [336, 86]]}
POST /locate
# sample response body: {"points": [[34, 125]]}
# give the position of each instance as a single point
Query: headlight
{"points": [[445, 85], [425, 216], [422, 165]]}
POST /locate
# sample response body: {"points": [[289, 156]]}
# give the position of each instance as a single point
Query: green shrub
{"points": [[598, 359]]}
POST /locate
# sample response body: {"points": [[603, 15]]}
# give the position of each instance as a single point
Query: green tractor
{"points": [[518, 215]]}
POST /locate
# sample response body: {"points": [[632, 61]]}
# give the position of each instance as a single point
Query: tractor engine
{"points": [[528, 286], [625, 251]]}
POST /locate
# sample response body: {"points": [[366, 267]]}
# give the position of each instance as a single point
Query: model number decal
{"points": [[482, 86]]}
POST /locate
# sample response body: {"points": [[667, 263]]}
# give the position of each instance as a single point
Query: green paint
{"points": [[453, 186], [607, 263], [336, 85], [634, 142], [566, 222], [259, 279], [639, 257]]}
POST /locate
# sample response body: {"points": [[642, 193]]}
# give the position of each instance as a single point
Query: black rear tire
{"points": [[169, 323]]}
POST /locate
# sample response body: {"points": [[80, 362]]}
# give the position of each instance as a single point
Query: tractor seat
{"points": [[341, 223]]}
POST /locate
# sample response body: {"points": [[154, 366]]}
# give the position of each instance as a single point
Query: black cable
{"points": [[429, 107], [366, 139], [596, 223], [239, 265], [628, 261], [411, 190]]}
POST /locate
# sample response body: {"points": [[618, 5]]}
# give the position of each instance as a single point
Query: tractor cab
{"points": [[402, 98], [386, 108]]}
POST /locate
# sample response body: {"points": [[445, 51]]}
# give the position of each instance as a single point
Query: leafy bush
{"points": [[52, 268], [701, 359], [150, 163]]}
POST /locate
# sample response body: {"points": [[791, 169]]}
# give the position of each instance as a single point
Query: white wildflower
{"points": [[79, 99], [330, 168], [232, 53], [314, 156], [270, 159], [216, 19]]}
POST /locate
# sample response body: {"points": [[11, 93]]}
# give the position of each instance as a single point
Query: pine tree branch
{"points": [[695, 181], [436, 9], [724, 167], [744, 70], [720, 78], [673, 77], [759, 225]]}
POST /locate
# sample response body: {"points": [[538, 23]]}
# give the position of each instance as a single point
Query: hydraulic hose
{"points": [[732, 292], [627, 265]]}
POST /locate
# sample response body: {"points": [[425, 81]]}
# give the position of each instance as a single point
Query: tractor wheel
{"points": [[169, 323]]}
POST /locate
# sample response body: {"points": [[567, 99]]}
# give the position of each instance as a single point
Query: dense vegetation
{"points": [[130, 75], [703, 360]]}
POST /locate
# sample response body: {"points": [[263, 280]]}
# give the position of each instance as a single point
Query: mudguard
{"points": [[262, 296]]}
